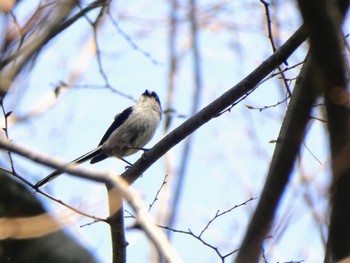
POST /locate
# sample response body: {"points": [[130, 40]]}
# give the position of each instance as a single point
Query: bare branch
{"points": [[6, 116], [95, 218], [268, 106], [272, 42], [287, 148], [118, 188], [199, 238], [157, 194], [55, 31], [216, 107], [219, 214], [132, 43], [34, 45], [323, 20]]}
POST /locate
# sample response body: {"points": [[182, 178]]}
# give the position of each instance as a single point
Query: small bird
{"points": [[131, 130]]}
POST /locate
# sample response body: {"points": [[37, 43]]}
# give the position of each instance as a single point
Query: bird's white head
{"points": [[150, 95], [150, 99]]}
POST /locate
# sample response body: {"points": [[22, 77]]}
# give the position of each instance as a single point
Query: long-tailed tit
{"points": [[131, 130]]}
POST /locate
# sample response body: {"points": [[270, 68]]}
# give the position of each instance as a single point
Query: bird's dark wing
{"points": [[97, 154], [118, 120]]}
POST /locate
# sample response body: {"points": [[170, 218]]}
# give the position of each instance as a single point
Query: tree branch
{"points": [[323, 21], [287, 148], [57, 23], [216, 107], [118, 188]]}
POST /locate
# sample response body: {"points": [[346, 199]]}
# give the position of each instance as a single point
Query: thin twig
{"points": [[269, 22], [218, 214], [268, 106], [157, 194], [95, 218], [95, 26], [5, 129], [199, 238], [26, 182], [131, 42], [120, 189], [272, 42], [290, 137]]}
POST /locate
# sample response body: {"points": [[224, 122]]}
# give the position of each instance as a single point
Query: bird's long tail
{"points": [[81, 159]]}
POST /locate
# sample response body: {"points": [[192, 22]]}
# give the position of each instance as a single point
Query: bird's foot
{"points": [[145, 149], [139, 148]]}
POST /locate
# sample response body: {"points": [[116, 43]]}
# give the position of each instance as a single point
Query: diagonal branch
{"points": [[323, 21], [118, 188], [55, 31], [287, 148], [211, 111], [12, 65], [34, 45]]}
